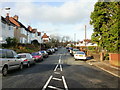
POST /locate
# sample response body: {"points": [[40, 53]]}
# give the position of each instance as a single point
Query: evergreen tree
{"points": [[106, 22]]}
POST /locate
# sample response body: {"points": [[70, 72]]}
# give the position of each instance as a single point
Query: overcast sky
{"points": [[54, 17]]}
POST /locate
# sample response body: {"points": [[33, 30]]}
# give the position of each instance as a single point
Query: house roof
{"points": [[30, 28], [34, 30], [4, 20], [45, 36], [87, 40], [12, 20], [39, 33]]}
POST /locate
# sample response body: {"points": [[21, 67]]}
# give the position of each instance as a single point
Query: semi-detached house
{"points": [[6, 29], [18, 30]]}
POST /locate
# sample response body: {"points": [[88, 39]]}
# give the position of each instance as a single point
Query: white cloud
{"points": [[68, 13], [65, 19]]}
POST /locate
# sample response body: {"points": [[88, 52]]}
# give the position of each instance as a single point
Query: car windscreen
{"points": [[22, 56], [42, 51]]}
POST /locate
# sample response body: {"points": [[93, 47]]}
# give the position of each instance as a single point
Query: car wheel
{"points": [[75, 59], [4, 71], [21, 66], [28, 65]]}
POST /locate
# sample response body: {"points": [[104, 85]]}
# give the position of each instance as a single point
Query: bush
{"points": [[106, 57], [11, 42], [92, 48]]}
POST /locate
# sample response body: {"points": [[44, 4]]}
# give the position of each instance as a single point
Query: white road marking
{"points": [[59, 61], [47, 82], [65, 85], [60, 67], [57, 79], [56, 72], [55, 88], [56, 67]]}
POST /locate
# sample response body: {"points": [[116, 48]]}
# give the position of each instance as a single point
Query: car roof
{"points": [[5, 49], [22, 53]]}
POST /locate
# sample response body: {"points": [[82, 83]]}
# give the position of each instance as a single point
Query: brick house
{"points": [[45, 38]]}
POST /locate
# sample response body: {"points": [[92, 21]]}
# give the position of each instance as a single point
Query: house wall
{"points": [[45, 39], [34, 36], [20, 34], [6, 31]]}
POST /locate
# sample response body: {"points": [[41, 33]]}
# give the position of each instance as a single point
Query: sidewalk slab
{"points": [[106, 67]]}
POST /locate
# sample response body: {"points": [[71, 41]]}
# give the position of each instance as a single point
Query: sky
{"points": [[54, 17]]}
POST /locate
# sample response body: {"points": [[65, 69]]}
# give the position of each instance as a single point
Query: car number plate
{"points": [[81, 55]]}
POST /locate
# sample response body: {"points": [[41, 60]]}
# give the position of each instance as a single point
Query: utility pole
{"points": [[85, 42], [74, 38], [85, 35]]}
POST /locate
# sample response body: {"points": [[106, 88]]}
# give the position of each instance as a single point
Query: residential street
{"points": [[60, 71]]}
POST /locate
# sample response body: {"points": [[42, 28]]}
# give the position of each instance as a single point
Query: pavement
{"points": [[105, 65]]}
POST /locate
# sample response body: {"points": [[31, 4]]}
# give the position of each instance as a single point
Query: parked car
{"points": [[49, 51], [67, 47], [53, 50], [80, 55], [44, 53], [37, 56], [74, 51], [56, 49], [27, 59], [70, 48], [9, 61]]}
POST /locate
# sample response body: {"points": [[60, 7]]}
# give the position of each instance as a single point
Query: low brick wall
{"points": [[96, 56]]}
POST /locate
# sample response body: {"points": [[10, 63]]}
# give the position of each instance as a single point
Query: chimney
{"points": [[7, 17], [16, 17]]}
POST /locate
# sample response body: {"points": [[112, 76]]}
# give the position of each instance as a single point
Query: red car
{"points": [[37, 56]]}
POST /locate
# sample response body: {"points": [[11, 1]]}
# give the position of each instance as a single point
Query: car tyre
{"points": [[4, 71], [21, 66], [28, 65]]}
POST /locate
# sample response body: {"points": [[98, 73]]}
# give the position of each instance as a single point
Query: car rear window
{"points": [[22, 56], [75, 49], [33, 54], [42, 51], [2, 54], [80, 52]]}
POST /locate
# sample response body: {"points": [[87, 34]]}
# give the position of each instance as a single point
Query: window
{"points": [[3, 25], [9, 27], [9, 54], [2, 54]]}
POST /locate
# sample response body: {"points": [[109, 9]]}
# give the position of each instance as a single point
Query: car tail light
{"points": [[25, 60]]}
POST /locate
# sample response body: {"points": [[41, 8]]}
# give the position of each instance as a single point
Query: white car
{"points": [[27, 59], [80, 55]]}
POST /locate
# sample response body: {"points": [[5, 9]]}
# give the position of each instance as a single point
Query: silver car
{"points": [[9, 60], [27, 59]]}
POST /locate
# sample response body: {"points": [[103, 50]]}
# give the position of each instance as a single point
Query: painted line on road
{"points": [[60, 67], [57, 79], [64, 82], [56, 67], [59, 61], [56, 72], [52, 87], [47, 82]]}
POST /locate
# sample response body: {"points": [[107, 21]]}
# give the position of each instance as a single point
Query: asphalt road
{"points": [[59, 71]]}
